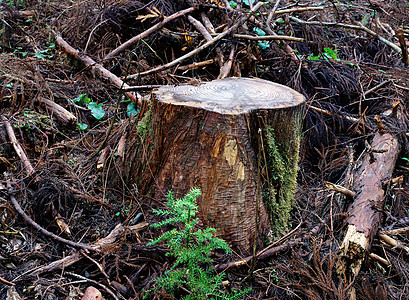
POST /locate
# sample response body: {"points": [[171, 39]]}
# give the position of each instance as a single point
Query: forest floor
{"points": [[347, 62]]}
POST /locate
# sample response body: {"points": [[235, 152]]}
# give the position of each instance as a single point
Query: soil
{"points": [[80, 190]]}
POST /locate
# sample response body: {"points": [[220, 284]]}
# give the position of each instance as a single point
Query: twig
{"points": [[199, 26], [19, 150], [41, 229], [104, 73], [142, 87], [104, 243], [269, 37], [403, 46], [376, 87], [210, 28], [340, 189], [201, 48], [196, 65], [58, 111], [225, 70], [146, 33], [6, 281], [298, 9], [271, 14], [356, 27]]}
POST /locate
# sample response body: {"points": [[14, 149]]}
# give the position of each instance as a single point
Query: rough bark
{"points": [[364, 214], [225, 137]]}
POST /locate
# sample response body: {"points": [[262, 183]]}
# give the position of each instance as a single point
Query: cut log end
{"points": [[232, 95]]}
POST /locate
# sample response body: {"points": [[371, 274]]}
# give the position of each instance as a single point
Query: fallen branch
{"points": [[269, 38], [225, 69], [148, 32], [201, 48], [58, 111], [366, 210], [99, 246], [100, 70], [210, 28], [19, 150], [199, 26], [403, 46], [356, 27]]}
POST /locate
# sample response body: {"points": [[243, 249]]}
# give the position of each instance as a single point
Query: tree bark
{"points": [[364, 214], [231, 138]]}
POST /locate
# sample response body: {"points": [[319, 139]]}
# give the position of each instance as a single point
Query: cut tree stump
{"points": [[237, 139]]}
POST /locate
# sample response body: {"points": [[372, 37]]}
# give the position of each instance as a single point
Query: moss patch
{"points": [[279, 194], [144, 125]]}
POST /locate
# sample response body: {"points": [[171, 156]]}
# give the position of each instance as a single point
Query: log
{"points": [[237, 139], [364, 214]]}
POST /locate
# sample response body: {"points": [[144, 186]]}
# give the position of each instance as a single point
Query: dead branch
{"points": [[210, 28], [199, 26], [268, 38], [16, 145], [356, 27], [298, 9], [100, 70], [340, 189], [271, 15], [58, 111], [196, 65], [38, 227], [225, 70], [365, 212], [201, 48], [148, 32], [101, 245], [376, 87], [403, 46]]}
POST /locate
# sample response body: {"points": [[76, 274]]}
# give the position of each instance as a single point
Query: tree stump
{"points": [[237, 139]]}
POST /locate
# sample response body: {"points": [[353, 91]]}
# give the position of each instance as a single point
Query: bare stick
{"points": [[142, 87], [104, 243], [41, 229], [269, 37], [196, 65], [201, 48], [146, 33], [210, 28], [225, 70], [94, 282], [356, 27], [19, 150], [376, 87], [271, 14], [104, 73], [297, 9], [403, 46], [340, 189], [199, 26], [58, 111]]}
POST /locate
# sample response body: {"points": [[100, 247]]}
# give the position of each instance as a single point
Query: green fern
{"points": [[192, 248]]}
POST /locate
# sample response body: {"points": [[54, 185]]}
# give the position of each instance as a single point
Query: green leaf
{"points": [[233, 4], [39, 55], [96, 110], [82, 126], [247, 2], [79, 98], [131, 110], [259, 31], [263, 45]]}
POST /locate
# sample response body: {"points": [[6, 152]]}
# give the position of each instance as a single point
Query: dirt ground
{"points": [[349, 66]]}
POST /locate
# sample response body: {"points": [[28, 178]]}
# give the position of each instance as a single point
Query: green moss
{"points": [[279, 194], [144, 125]]}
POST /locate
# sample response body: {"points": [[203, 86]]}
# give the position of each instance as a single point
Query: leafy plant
{"points": [[326, 55], [263, 45], [192, 248], [96, 109], [131, 110]]}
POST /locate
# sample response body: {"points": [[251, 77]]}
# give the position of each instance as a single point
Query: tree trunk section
{"points": [[364, 214], [228, 137]]}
